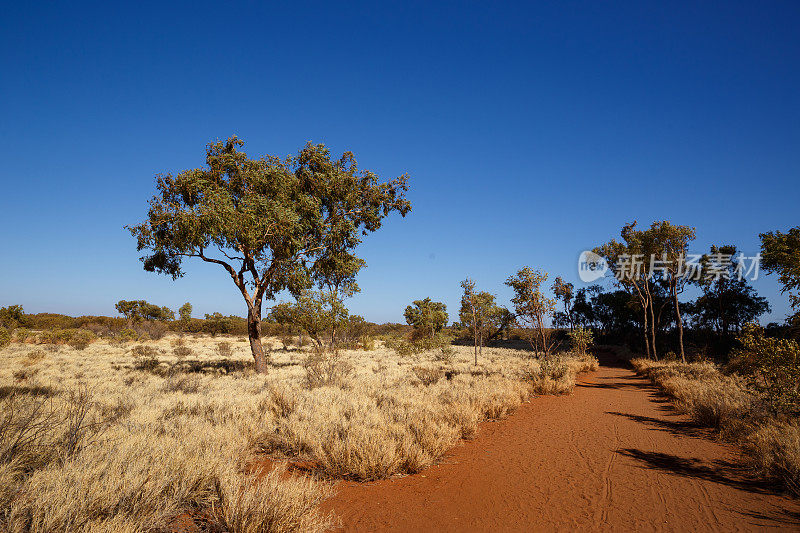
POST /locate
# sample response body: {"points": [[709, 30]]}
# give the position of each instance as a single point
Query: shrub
{"points": [[224, 349], [182, 352], [428, 375], [326, 370], [553, 376], [771, 366], [276, 502], [21, 334], [185, 384], [145, 358], [5, 337], [80, 339], [774, 452], [580, 339]]}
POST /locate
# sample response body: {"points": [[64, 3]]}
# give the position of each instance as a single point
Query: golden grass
{"points": [[724, 403], [117, 439]]}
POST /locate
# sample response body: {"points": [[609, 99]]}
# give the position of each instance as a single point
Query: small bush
{"points": [[182, 352], [5, 337], [580, 339], [183, 383], [277, 502], [224, 349], [81, 338], [427, 375], [22, 334], [145, 358], [771, 367], [326, 370], [552, 377], [774, 452]]}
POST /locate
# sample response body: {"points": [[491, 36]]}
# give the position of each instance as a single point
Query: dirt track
{"points": [[611, 456]]}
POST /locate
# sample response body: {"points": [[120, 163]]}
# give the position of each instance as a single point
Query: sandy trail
{"points": [[611, 456]]}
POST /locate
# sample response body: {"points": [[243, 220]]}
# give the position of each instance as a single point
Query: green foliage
{"points": [[418, 345], [321, 314], [580, 339], [185, 312], [272, 223], [22, 334], [218, 324], [12, 316], [532, 307], [477, 308], [771, 366], [565, 292], [76, 337], [80, 339], [729, 301], [5, 337], [426, 316], [781, 255], [138, 310]]}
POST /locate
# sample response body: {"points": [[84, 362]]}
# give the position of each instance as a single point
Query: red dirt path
{"points": [[613, 455]]}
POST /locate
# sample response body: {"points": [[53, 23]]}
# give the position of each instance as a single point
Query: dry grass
{"points": [[724, 403], [116, 437]]}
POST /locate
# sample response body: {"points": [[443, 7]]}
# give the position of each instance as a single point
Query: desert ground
{"points": [[180, 434], [137, 436]]}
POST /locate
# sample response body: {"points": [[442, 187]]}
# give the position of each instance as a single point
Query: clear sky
{"points": [[530, 132]]}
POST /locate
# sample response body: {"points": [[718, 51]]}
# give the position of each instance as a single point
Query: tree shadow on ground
{"points": [[722, 472], [674, 427]]}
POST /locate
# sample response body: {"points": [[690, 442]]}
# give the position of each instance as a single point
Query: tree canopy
{"points": [[271, 223], [426, 316]]}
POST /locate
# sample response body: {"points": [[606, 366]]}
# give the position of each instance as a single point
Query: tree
{"points": [[728, 302], [532, 307], [11, 316], [780, 254], [318, 313], [426, 316], [500, 320], [185, 312], [138, 310], [671, 244], [629, 261], [271, 224], [478, 313], [565, 292]]}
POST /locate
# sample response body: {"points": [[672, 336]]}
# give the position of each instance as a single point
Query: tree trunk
{"points": [[254, 333], [680, 323], [645, 331], [653, 330], [475, 331], [481, 344]]}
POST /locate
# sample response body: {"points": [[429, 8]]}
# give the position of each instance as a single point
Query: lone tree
{"points": [[479, 313], [532, 307], [565, 292], [185, 312], [426, 316], [138, 310], [271, 224]]}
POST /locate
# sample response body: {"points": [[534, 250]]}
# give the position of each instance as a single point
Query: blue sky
{"points": [[530, 132]]}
